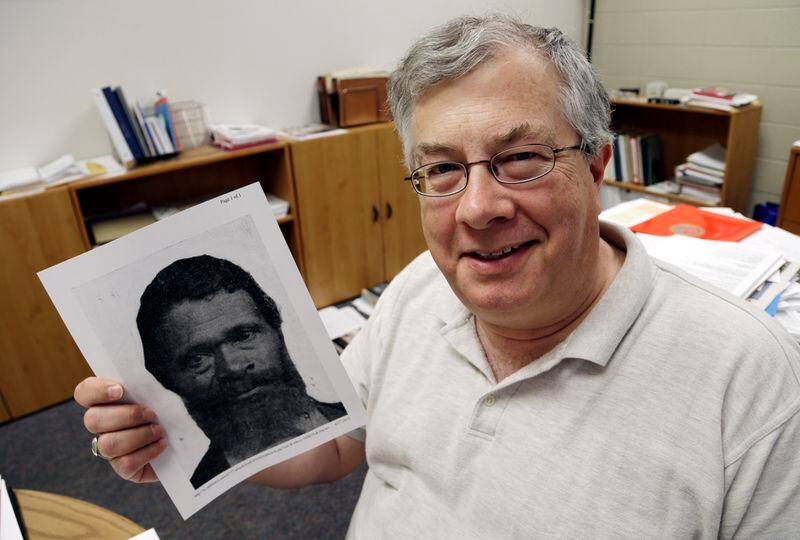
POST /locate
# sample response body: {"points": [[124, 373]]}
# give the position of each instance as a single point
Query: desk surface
{"points": [[48, 515]]}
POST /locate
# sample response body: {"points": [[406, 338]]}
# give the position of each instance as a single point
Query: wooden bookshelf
{"points": [[686, 129]]}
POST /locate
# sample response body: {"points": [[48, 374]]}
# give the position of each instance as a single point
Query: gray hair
{"points": [[455, 48]]}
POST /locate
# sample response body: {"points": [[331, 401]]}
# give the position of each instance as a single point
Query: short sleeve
{"points": [[763, 486]]}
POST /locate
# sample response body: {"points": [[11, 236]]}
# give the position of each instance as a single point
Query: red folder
{"points": [[690, 221]]}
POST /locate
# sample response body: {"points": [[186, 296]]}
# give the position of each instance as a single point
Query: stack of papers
{"points": [[763, 267], [718, 98], [238, 136], [60, 171], [279, 206], [730, 266]]}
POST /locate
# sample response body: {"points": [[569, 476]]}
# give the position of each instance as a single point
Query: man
{"points": [[211, 335], [535, 374]]}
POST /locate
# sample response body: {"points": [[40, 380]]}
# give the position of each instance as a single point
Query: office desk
{"points": [[48, 515]]}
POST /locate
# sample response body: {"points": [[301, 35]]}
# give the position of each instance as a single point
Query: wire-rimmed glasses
{"points": [[515, 165]]}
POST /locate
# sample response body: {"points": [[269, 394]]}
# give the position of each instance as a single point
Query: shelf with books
{"points": [[195, 175], [683, 130]]}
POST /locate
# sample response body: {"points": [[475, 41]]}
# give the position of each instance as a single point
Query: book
{"points": [[691, 221], [122, 122], [624, 156], [139, 115], [117, 139], [610, 173], [617, 160], [120, 95], [162, 109], [152, 130], [636, 161], [652, 159]]}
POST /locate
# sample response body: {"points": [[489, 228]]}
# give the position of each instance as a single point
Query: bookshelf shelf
{"points": [[682, 130], [673, 197]]}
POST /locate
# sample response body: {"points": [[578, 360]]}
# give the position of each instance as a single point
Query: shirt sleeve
{"points": [[367, 350], [762, 497]]}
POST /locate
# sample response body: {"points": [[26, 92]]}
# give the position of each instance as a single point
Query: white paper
{"points": [[9, 527], [98, 296], [149, 534], [776, 238], [633, 212], [731, 266], [340, 321]]}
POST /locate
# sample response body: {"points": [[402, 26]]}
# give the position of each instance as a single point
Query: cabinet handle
{"points": [[375, 214], [388, 210]]}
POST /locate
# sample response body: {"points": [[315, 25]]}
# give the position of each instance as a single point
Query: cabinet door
{"points": [[338, 200], [39, 363], [402, 231]]}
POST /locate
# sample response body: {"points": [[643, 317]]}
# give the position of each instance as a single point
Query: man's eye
{"points": [[442, 168], [244, 335], [199, 362], [523, 156]]}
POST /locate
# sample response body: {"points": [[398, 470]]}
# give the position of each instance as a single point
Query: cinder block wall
{"points": [[745, 45]]}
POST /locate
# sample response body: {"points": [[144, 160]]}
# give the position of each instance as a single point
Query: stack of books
{"points": [[703, 173], [138, 134], [240, 136], [718, 98], [636, 159]]}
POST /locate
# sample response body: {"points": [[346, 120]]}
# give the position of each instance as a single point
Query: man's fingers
{"points": [[135, 466], [100, 419], [95, 391], [119, 443]]}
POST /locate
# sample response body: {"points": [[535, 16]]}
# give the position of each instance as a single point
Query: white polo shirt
{"points": [[671, 411]]}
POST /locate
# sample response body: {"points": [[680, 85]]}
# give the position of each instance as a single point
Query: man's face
{"points": [[550, 223], [222, 352]]}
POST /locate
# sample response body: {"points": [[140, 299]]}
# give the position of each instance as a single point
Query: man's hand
{"points": [[126, 434]]}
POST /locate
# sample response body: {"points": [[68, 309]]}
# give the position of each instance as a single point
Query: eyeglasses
{"points": [[515, 165]]}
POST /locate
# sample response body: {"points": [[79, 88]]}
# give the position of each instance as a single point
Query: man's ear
{"points": [[598, 164]]}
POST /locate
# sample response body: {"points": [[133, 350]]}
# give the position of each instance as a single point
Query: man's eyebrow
{"points": [[541, 133], [423, 149]]}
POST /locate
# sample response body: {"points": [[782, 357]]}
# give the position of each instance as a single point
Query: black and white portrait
{"points": [[205, 319], [213, 336]]}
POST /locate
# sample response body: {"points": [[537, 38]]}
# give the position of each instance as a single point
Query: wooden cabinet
{"points": [[359, 221], [789, 213], [39, 363], [684, 130]]}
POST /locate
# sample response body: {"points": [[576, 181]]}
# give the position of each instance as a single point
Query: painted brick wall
{"points": [[745, 45]]}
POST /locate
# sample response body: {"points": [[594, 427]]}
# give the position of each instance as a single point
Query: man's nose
{"points": [[484, 201], [232, 362]]}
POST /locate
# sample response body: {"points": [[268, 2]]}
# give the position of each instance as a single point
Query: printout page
{"points": [[731, 266], [204, 318]]}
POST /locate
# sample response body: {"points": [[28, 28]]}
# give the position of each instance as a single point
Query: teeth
{"points": [[496, 254]]}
